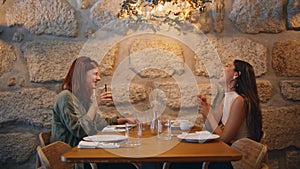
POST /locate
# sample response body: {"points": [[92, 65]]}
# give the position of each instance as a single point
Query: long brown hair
{"points": [[246, 87], [75, 79]]}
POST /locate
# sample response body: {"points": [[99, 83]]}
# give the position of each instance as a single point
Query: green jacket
{"points": [[70, 122]]}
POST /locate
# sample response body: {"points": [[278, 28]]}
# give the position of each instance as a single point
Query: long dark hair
{"points": [[75, 79], [246, 87]]}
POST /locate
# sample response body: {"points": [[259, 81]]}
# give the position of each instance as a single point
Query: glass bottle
{"points": [[154, 124], [159, 128]]}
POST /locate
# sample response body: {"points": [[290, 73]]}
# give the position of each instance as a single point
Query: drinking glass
{"points": [[132, 141], [127, 130], [169, 132], [140, 131]]}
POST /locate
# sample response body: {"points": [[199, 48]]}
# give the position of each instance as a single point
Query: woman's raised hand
{"points": [[204, 107], [104, 97]]}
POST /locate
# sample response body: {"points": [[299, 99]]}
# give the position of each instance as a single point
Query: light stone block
{"points": [[84, 4], [17, 147], [218, 13], [293, 14], [200, 68], [55, 17], [155, 63], [168, 45], [286, 58], [180, 94], [8, 57], [282, 126], [31, 105], [257, 16], [50, 60], [107, 64], [129, 93], [156, 58], [104, 11], [94, 49], [241, 48], [290, 89], [264, 89], [207, 59]]}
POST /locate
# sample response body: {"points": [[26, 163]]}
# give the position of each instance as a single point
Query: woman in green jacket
{"points": [[76, 112]]}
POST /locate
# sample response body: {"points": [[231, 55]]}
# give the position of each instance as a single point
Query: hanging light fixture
{"points": [[156, 9]]}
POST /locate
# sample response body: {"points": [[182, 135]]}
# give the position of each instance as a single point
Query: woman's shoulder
{"points": [[239, 100], [237, 97], [65, 94]]}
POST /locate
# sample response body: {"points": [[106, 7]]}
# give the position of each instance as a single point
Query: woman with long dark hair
{"points": [[246, 87], [239, 115]]}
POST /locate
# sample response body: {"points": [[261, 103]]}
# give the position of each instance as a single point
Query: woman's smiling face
{"points": [[92, 77], [228, 73]]}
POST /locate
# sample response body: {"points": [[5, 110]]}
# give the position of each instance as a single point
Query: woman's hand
{"points": [[127, 120], [204, 107], [105, 97]]}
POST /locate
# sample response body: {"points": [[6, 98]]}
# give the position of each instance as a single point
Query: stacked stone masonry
{"points": [[56, 17], [40, 39]]}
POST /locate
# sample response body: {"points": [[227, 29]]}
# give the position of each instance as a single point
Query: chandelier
{"points": [[180, 10]]}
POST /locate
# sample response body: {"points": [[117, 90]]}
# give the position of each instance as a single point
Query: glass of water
{"points": [[140, 131]]}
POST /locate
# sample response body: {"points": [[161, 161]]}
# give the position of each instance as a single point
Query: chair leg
{"points": [[166, 165], [94, 165], [205, 165], [137, 165], [38, 162]]}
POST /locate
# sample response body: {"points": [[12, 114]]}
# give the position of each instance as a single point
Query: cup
{"points": [[140, 131], [185, 125], [169, 132], [127, 130], [132, 141]]}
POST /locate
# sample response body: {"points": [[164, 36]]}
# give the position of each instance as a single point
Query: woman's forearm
{"points": [[92, 111]]}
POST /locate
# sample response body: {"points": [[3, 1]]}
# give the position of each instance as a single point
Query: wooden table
{"points": [[153, 149]]}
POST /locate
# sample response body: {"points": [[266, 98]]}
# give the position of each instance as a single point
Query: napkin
{"points": [[108, 129], [204, 134], [112, 129], [89, 144]]}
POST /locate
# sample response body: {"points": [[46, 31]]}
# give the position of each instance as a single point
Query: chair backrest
{"points": [[253, 154], [50, 155], [45, 137], [263, 137], [266, 158]]}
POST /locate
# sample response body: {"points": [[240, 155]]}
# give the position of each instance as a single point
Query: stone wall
{"points": [[39, 40]]}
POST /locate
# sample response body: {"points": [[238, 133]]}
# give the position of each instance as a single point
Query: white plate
{"points": [[197, 137], [120, 126], [105, 138]]}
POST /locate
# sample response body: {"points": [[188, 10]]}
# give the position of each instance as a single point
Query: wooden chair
{"points": [[44, 137], [50, 155], [263, 137], [265, 159], [253, 154]]}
